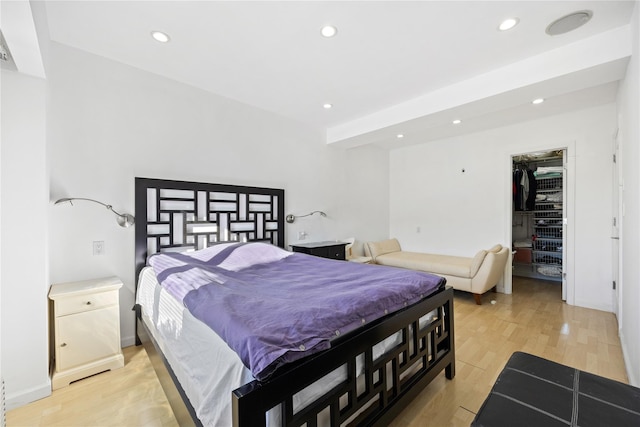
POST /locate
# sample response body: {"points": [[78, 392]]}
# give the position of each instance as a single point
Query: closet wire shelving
{"points": [[544, 227]]}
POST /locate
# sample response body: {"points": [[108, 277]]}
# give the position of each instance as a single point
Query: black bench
{"points": [[531, 391]]}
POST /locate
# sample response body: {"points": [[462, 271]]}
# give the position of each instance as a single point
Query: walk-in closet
{"points": [[538, 212]]}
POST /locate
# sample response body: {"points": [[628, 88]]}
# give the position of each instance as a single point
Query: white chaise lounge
{"points": [[476, 275]]}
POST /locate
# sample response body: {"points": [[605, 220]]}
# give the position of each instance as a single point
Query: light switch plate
{"points": [[98, 247]]}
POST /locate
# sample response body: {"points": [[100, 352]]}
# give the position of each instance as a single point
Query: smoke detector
{"points": [[569, 22]]}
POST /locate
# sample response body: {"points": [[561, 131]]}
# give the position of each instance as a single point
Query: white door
{"points": [[615, 230]]}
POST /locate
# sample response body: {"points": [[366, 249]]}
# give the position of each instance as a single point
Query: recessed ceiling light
{"points": [[569, 22], [328, 31], [508, 24], [400, 135], [160, 36], [457, 121], [327, 106], [538, 101]]}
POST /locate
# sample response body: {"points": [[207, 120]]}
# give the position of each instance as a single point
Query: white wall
{"points": [[110, 123], [629, 139], [461, 212], [1, 375], [107, 123], [24, 274]]}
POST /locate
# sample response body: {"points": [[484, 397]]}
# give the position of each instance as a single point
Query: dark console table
{"points": [[329, 249]]}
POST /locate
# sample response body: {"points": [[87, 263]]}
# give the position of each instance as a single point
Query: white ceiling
{"points": [[394, 67]]}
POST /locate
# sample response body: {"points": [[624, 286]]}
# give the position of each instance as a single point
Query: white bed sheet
{"points": [[208, 370]]}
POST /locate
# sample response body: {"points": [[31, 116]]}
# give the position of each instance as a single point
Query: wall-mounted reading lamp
{"points": [[290, 218], [124, 220]]}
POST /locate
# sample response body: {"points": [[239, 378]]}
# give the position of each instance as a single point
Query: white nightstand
{"points": [[86, 324]]}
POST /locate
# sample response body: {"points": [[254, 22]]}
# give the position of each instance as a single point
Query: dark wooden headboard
{"points": [[182, 216]]}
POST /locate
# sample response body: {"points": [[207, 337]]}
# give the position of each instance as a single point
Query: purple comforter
{"points": [[286, 306]]}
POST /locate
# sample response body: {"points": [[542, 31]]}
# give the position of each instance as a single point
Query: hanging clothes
{"points": [[524, 182], [530, 203], [517, 190]]}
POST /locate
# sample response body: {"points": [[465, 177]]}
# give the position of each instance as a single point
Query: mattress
{"points": [[207, 369], [194, 352]]}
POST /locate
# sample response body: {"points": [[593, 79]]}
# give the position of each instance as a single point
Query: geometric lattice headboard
{"points": [[182, 216]]}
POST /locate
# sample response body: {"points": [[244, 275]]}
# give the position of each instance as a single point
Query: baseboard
{"points": [[608, 307], [127, 341], [633, 380], [17, 400]]}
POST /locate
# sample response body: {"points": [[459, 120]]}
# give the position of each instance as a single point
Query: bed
{"points": [[363, 376]]}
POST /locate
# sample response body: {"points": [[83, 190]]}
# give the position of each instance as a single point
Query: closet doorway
{"points": [[539, 216]]}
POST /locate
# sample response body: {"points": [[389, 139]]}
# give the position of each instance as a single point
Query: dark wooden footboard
{"points": [[412, 364]]}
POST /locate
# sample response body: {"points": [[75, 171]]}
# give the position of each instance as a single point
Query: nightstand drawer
{"points": [[80, 303], [330, 249], [331, 252]]}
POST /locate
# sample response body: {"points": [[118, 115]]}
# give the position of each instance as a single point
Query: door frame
{"points": [[617, 235], [568, 265]]}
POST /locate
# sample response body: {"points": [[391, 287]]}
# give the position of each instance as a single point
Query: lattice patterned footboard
{"points": [[373, 392]]}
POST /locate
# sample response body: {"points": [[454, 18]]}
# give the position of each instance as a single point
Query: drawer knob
{"points": [[88, 302], [64, 344]]}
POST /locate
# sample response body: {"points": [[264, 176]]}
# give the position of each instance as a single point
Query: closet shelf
{"points": [[542, 178], [543, 252], [547, 211]]}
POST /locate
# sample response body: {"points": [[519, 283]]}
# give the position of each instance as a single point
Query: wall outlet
{"points": [[302, 235], [98, 247]]}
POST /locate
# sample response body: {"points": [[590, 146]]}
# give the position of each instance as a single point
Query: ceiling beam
{"points": [[577, 66]]}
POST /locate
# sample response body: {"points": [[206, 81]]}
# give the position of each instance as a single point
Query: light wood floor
{"points": [[533, 319]]}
